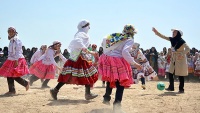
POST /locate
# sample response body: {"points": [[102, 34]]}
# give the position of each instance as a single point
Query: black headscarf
{"points": [[100, 51], [177, 41]]}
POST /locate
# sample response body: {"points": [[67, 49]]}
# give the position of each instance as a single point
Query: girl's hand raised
{"points": [[154, 30]]}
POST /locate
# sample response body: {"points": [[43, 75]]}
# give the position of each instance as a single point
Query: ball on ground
{"points": [[160, 86]]}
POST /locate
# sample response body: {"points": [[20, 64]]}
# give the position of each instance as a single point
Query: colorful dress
{"points": [[147, 71], [45, 68], [8, 69], [190, 65], [168, 63], [197, 67], [114, 64], [161, 65], [78, 69]]}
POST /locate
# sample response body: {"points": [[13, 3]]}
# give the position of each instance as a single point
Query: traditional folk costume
{"points": [[78, 69], [161, 65], [12, 71], [190, 64], [114, 64], [45, 67], [168, 57], [36, 57], [197, 67], [147, 71]]}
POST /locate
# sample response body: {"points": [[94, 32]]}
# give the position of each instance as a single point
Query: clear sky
{"points": [[43, 21]]}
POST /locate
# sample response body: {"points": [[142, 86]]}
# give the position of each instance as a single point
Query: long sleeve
{"points": [[51, 56], [17, 53], [80, 41], [187, 48], [62, 57], [35, 57], [162, 36], [141, 56], [125, 52]]}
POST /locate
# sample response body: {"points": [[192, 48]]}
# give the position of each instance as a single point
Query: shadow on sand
{"points": [[103, 110], [3, 95], [68, 102], [169, 94]]}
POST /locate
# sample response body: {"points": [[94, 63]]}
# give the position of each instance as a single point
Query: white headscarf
{"points": [[12, 44], [136, 45], [83, 26], [81, 38]]}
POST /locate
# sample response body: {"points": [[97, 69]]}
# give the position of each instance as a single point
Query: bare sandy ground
{"points": [[71, 99]]}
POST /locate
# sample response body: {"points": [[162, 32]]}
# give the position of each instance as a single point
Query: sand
{"points": [[71, 99]]}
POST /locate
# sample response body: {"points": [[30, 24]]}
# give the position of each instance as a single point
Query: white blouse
{"points": [[81, 40], [36, 56], [15, 49], [123, 51], [161, 62], [48, 57]]}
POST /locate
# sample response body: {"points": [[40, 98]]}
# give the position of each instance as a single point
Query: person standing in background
{"points": [[178, 64], [66, 54], [153, 59]]}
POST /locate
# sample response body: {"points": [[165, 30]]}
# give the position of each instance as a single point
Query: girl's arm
{"points": [[62, 57], [160, 35]]}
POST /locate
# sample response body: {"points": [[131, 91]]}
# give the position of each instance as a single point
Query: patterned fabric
{"points": [[116, 38], [129, 30], [8, 69], [190, 65], [80, 72], [147, 71]]}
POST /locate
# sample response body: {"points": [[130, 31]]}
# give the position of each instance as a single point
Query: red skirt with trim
{"points": [[80, 72], [43, 71], [114, 69], [8, 69]]}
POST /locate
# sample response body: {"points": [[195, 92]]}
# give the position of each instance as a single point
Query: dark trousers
{"points": [[143, 80], [34, 78], [118, 94], [171, 82], [60, 84], [11, 84]]}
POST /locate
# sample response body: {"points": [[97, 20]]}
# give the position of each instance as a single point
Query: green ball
{"points": [[160, 86]]}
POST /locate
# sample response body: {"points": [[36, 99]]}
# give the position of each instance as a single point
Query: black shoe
{"points": [[106, 102], [10, 93], [53, 93], [181, 91], [90, 96], [168, 89]]}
